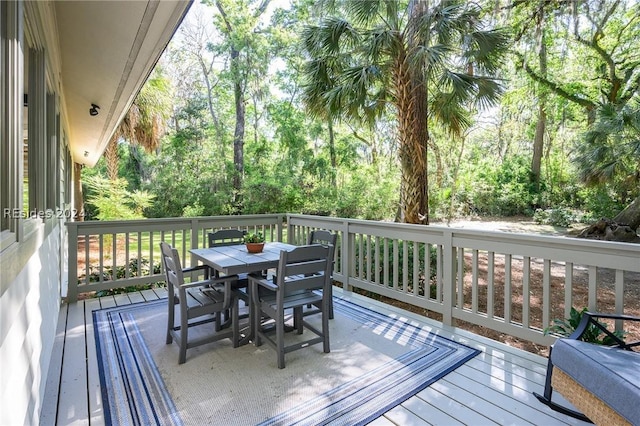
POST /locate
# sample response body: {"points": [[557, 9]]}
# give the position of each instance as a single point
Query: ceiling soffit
{"points": [[108, 49]]}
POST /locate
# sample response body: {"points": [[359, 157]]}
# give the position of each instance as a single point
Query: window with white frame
{"points": [[11, 128]]}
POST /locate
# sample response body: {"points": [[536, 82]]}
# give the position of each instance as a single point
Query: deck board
{"points": [[495, 387], [73, 407], [50, 404], [93, 386]]}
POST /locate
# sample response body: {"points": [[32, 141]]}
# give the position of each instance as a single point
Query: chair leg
{"points": [[255, 326], [184, 330], [330, 302], [325, 329], [297, 319], [545, 398], [234, 323], [280, 338], [170, 319]]}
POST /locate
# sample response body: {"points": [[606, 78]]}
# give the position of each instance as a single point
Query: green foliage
{"points": [[113, 201], [254, 237], [502, 189], [601, 201], [193, 211], [561, 216], [610, 153], [592, 334], [134, 268], [299, 162]]}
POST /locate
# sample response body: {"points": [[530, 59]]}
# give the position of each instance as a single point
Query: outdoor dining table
{"points": [[235, 259], [231, 260]]}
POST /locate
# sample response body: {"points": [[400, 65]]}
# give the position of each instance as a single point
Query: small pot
{"points": [[254, 247]]}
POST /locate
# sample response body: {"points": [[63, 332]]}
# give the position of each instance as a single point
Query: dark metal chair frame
{"points": [[589, 319]]}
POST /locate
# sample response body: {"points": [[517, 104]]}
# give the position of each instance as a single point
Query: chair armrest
{"points": [[263, 282], [591, 319], [211, 281], [195, 268]]}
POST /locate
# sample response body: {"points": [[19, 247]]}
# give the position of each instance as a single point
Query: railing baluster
{"points": [[405, 265], [101, 260], [526, 299], [568, 289], [460, 280], [507, 288], [546, 293], [593, 289], [474, 281], [396, 266], [491, 294]]}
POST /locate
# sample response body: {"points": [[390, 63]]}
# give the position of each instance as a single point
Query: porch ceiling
{"points": [[108, 49]]}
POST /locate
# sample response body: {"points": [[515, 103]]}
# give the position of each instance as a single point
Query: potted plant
{"points": [[254, 242]]}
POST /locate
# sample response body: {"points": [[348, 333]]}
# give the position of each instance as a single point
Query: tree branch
{"points": [[555, 87]]}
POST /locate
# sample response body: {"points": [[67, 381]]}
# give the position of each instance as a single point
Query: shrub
{"points": [[592, 335]]}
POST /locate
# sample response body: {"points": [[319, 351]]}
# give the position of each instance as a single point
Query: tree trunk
{"points": [[332, 156], [624, 227], [111, 156], [538, 140], [238, 135], [630, 216], [411, 98]]}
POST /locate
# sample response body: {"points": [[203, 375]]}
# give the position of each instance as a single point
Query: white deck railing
{"points": [[115, 254], [512, 283]]}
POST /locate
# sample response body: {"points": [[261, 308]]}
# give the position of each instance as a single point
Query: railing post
{"points": [[448, 278], [281, 219], [289, 230], [348, 256], [194, 239], [72, 269]]}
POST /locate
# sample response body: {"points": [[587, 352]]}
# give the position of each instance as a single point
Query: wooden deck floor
{"points": [[493, 388]]}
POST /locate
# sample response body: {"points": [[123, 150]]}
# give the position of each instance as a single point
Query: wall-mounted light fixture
{"points": [[93, 111], [86, 153]]}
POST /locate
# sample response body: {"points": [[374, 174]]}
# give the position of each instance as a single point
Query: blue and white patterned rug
{"points": [[376, 362]]}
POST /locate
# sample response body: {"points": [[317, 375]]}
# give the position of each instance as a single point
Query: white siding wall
{"points": [[29, 247], [29, 307]]}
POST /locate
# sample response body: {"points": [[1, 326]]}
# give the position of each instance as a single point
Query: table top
{"points": [[236, 259]]}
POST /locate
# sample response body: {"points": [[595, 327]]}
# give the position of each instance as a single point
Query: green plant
{"points": [[591, 334], [254, 238]]}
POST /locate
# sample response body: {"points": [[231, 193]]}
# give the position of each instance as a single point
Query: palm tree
{"points": [[144, 123], [610, 154], [428, 61]]}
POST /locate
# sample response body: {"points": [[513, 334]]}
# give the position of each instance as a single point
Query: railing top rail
{"points": [[598, 253], [172, 222]]}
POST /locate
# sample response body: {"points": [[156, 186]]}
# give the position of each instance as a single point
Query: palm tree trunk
{"points": [[111, 156], [411, 98]]}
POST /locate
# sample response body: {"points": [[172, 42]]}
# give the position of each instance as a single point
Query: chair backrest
{"points": [[320, 236], [226, 237], [172, 267], [304, 268]]}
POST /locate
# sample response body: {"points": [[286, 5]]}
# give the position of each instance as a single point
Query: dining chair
{"points": [[230, 237], [199, 302], [323, 237], [300, 273]]}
